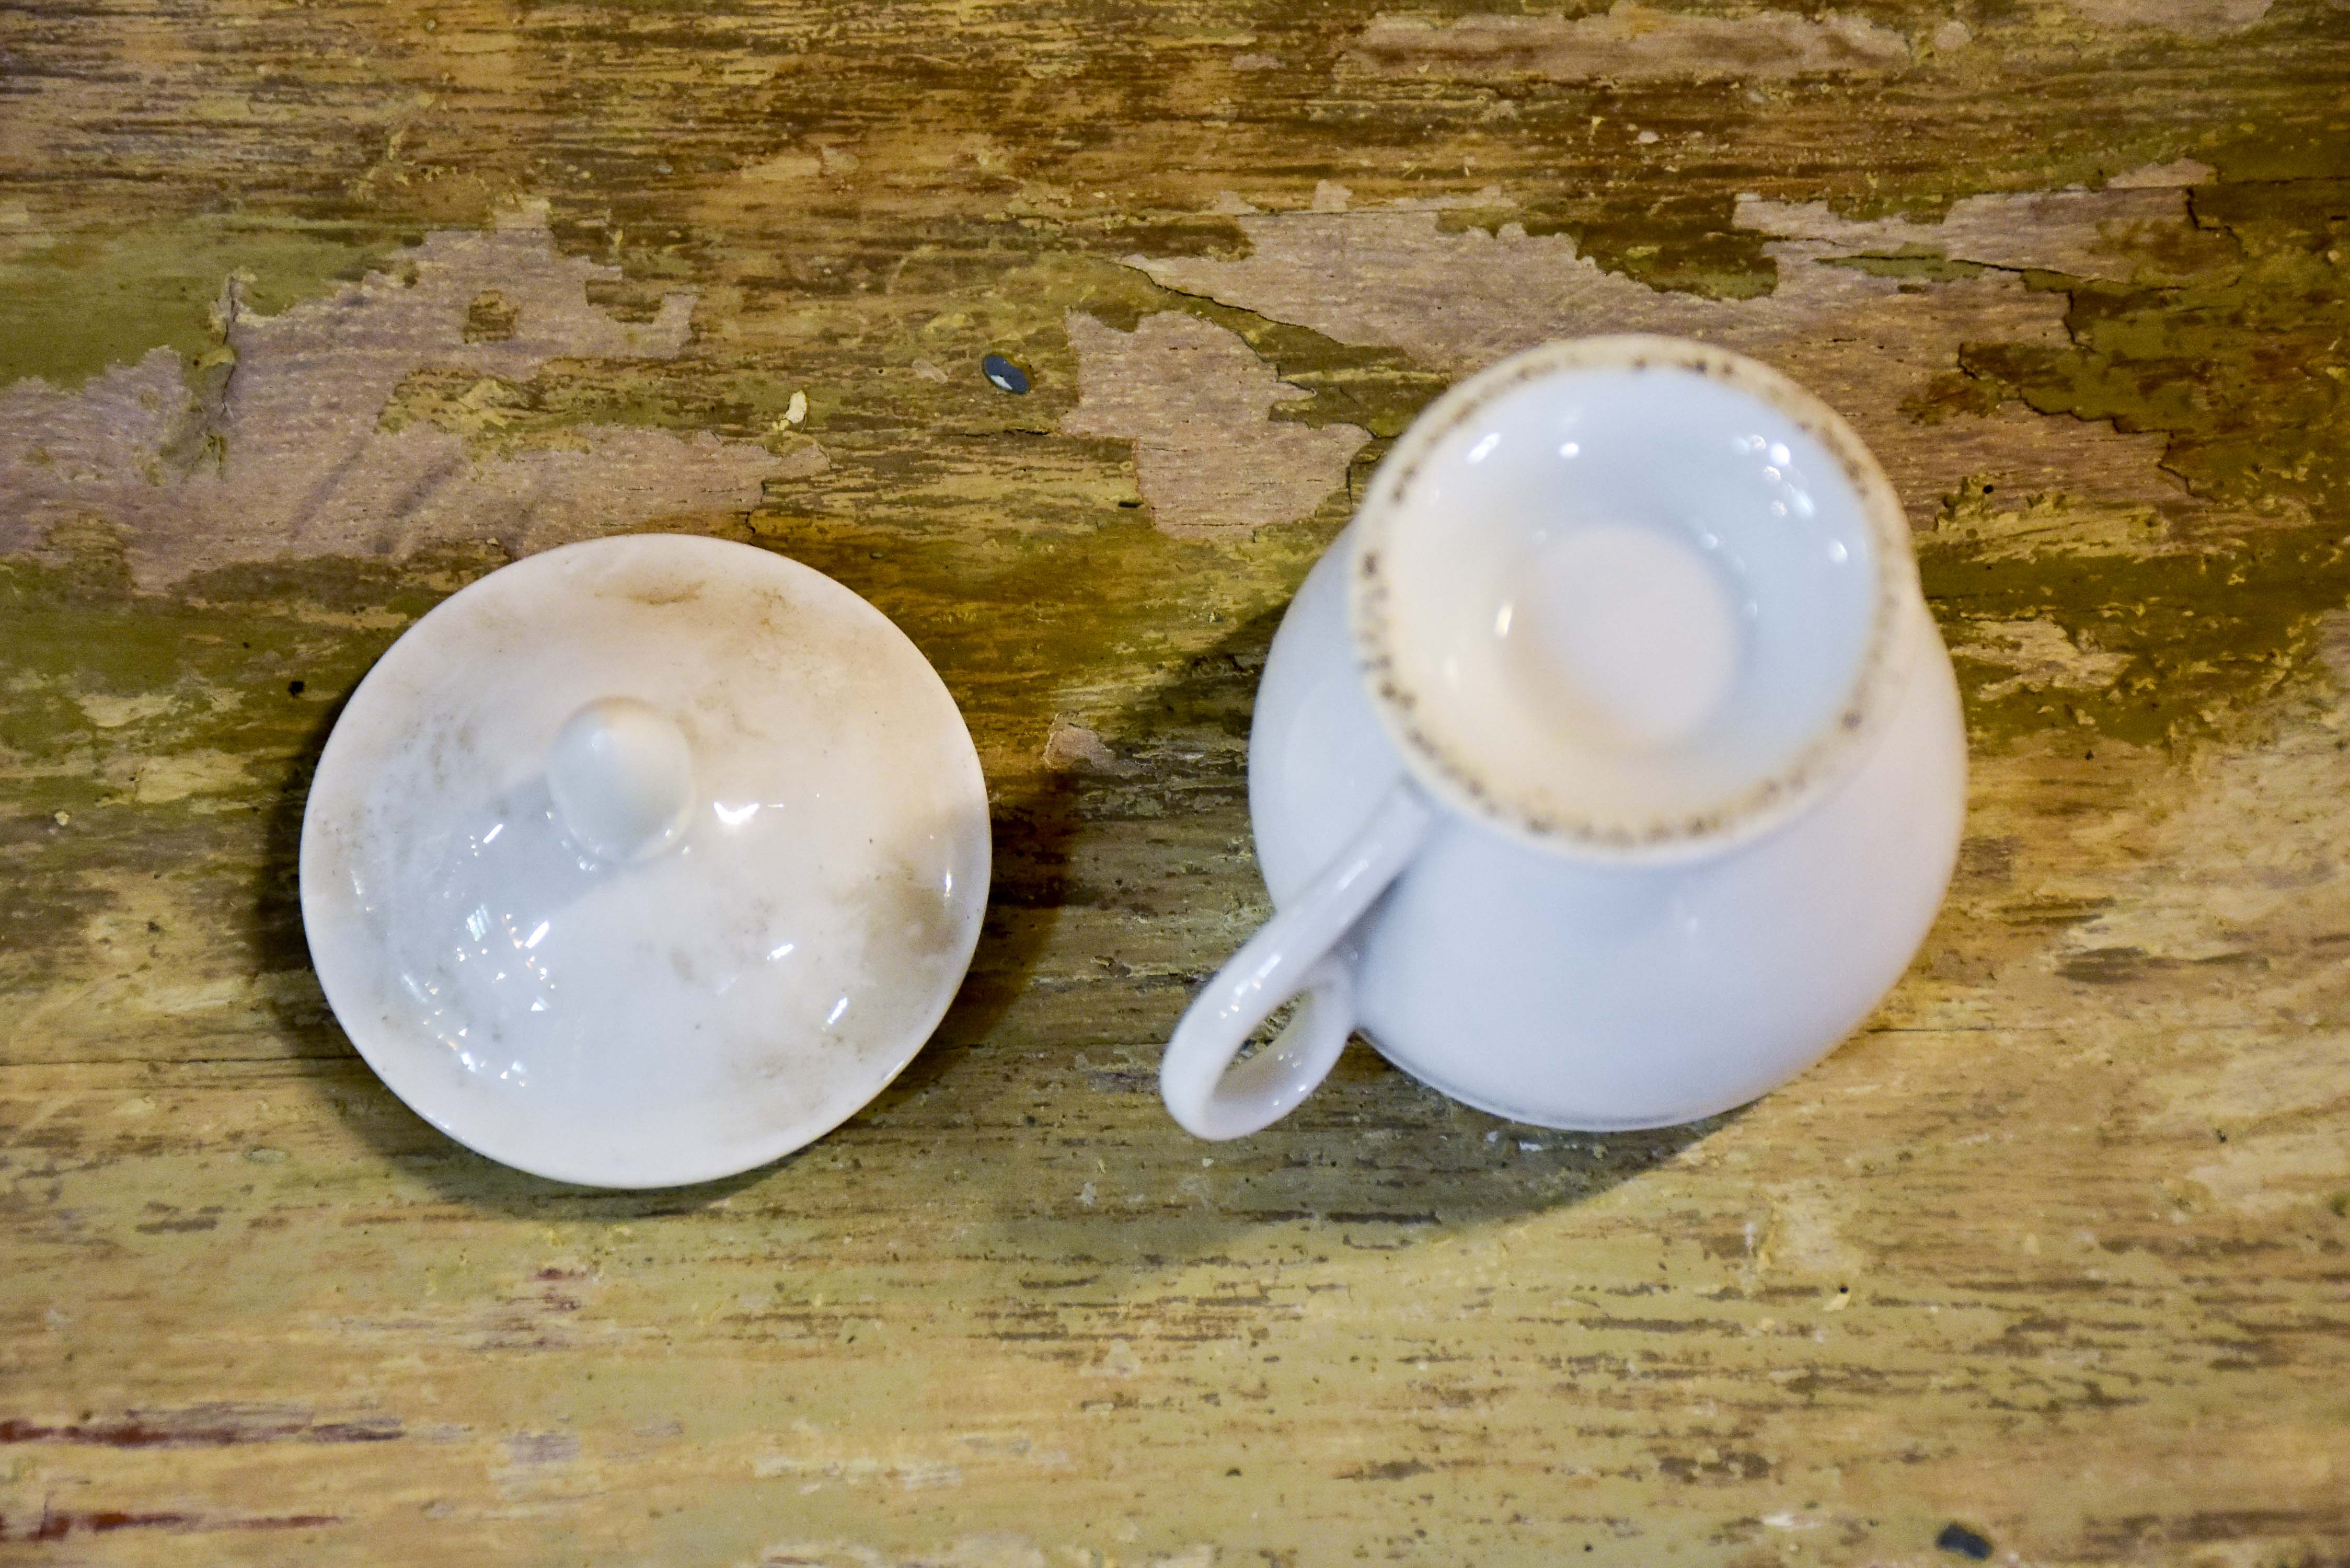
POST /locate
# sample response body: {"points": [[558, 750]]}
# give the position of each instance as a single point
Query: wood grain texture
{"points": [[310, 315]]}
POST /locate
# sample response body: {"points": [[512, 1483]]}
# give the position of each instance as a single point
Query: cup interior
{"points": [[1633, 596]]}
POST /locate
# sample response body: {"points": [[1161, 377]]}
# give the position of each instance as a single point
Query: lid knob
{"points": [[622, 779]]}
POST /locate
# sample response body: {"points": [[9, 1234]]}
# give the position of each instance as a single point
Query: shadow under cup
{"points": [[1629, 597]]}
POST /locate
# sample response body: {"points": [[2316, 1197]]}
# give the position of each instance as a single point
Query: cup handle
{"points": [[1290, 954]]}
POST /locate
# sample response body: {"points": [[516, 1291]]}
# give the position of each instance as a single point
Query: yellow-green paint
{"points": [[73, 302]]}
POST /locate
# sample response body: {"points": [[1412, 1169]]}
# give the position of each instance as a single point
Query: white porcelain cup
{"points": [[1607, 771]]}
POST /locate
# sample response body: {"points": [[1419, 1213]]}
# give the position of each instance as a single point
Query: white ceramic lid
{"points": [[645, 861]]}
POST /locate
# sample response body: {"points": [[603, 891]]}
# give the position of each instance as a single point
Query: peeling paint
{"points": [[2108, 233], [1867, 341], [1197, 403], [290, 457], [2019, 522], [2178, 172], [1630, 42], [2196, 18], [74, 302], [1070, 746], [2210, 633], [2042, 655], [108, 713], [2252, 862], [159, 780]]}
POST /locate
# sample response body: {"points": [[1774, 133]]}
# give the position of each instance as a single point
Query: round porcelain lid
{"points": [[645, 861]]}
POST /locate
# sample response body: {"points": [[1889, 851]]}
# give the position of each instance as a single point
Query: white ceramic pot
{"points": [[1607, 771]]}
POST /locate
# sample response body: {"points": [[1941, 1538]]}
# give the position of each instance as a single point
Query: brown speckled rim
{"points": [[1460, 780]]}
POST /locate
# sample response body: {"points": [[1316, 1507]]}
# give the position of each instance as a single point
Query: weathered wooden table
{"points": [[322, 311]]}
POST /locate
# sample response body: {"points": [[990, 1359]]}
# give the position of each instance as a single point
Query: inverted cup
{"points": [[1617, 608]]}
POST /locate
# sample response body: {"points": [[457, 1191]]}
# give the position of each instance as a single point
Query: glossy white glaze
{"points": [[1581, 993], [1555, 983], [1298, 955], [621, 776], [1630, 596], [607, 992]]}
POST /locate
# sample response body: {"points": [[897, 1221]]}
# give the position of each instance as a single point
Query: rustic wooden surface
{"points": [[310, 314]]}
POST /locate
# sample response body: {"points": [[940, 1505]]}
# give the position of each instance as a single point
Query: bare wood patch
{"points": [[2197, 19], [1865, 338], [1630, 42], [290, 457], [1197, 401]]}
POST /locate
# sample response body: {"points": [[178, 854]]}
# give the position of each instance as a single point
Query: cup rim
{"points": [[1439, 766]]}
